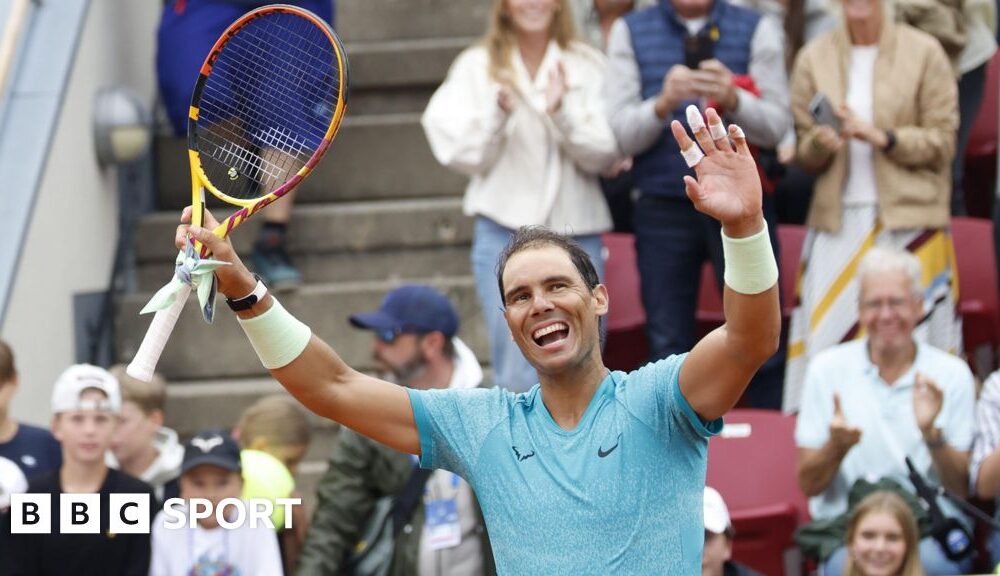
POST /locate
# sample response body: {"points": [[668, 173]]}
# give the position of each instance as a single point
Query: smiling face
{"points": [[551, 313], [879, 544], [889, 310], [532, 16]]}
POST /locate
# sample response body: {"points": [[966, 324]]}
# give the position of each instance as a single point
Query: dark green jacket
{"points": [[361, 472]]}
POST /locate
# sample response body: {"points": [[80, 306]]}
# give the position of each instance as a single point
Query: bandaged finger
{"points": [[693, 155], [695, 119], [737, 132], [717, 130]]}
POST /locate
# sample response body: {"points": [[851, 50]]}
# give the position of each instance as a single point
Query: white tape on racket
{"points": [[144, 363], [694, 118], [692, 155], [717, 131]]}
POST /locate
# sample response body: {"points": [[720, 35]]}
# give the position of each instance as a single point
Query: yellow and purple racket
{"points": [[269, 100]]}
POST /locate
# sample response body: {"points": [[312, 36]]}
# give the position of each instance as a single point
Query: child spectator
{"points": [[33, 449], [86, 404], [142, 446], [718, 554], [211, 470], [882, 538], [274, 434]]}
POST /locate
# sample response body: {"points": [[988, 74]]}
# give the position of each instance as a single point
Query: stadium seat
{"points": [[978, 299], [625, 345], [752, 464], [981, 152]]}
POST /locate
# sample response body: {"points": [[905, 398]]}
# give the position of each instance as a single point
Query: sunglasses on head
{"points": [[389, 335]]}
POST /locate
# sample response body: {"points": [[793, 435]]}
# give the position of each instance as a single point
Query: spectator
{"points": [[415, 340], [142, 446], [882, 538], [33, 449], [662, 59], [594, 17], [883, 177], [86, 405], [12, 481], [871, 403], [717, 559], [984, 470], [188, 30], [274, 435], [211, 470], [520, 113]]}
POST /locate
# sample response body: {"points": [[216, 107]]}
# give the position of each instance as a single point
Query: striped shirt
{"points": [[987, 426]]}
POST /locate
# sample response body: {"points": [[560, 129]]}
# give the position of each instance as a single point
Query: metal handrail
{"points": [[10, 38]]}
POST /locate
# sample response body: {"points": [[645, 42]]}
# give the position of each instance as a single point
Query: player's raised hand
{"points": [[234, 281], [842, 434], [727, 187]]}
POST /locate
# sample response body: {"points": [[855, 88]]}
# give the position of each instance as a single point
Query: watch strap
{"points": [[246, 302]]}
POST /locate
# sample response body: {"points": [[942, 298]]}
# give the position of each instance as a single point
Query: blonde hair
{"points": [[894, 505], [501, 37], [148, 396], [276, 418]]}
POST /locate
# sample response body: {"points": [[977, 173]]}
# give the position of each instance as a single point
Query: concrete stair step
{"points": [[373, 157], [220, 351], [368, 20], [392, 264], [355, 227]]}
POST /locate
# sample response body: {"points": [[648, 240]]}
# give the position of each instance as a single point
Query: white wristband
{"points": [[750, 264], [276, 335]]}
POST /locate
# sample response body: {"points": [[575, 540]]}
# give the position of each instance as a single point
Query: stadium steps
{"points": [[378, 211]]}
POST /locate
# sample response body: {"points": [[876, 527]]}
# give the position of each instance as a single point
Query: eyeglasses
{"points": [[894, 304]]}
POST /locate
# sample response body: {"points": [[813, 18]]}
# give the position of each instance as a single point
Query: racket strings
{"points": [[267, 104]]}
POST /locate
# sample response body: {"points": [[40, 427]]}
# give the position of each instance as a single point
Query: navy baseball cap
{"points": [[213, 447], [411, 308]]}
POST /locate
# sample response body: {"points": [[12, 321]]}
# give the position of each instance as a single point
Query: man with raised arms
{"points": [[591, 471]]}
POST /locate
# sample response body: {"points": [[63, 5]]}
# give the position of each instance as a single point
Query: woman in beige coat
{"points": [[883, 168]]}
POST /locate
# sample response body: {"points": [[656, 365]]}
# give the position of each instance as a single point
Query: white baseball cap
{"points": [[716, 513], [79, 377], [12, 481]]}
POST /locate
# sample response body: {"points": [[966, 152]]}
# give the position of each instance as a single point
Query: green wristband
{"points": [[276, 336]]}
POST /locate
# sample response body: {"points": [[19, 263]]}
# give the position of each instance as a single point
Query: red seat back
{"points": [[625, 347], [752, 464], [978, 298]]}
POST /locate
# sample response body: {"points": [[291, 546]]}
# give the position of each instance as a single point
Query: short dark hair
{"points": [[531, 237], [7, 369]]}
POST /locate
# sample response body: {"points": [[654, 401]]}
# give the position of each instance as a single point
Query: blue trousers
{"points": [[186, 34], [510, 369], [673, 241]]}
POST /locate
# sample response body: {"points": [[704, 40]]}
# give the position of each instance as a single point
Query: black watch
{"points": [[890, 141], [246, 302]]}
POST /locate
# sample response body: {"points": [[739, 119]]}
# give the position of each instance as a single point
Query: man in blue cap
{"points": [[415, 342]]}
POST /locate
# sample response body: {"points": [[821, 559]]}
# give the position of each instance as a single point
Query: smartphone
{"points": [[822, 111], [697, 49]]}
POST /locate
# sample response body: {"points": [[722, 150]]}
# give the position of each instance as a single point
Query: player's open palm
{"points": [[728, 185]]}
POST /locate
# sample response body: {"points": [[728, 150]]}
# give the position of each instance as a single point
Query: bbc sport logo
{"points": [[130, 513]]}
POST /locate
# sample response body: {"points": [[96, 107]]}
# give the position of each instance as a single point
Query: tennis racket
{"points": [[268, 102]]}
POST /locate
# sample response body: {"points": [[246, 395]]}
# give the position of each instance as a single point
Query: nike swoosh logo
{"points": [[602, 453]]}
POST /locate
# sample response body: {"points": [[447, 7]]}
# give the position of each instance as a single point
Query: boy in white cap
{"points": [[86, 406], [719, 539]]}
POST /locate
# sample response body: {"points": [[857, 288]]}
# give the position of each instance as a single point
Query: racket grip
{"points": [[144, 363]]}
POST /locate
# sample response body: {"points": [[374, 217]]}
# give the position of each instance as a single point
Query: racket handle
{"points": [[144, 363]]}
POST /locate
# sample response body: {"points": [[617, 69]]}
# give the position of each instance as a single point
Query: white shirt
{"points": [[884, 413], [860, 188], [528, 167], [185, 552]]}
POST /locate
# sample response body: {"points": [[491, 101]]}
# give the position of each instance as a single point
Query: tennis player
{"points": [[591, 471]]}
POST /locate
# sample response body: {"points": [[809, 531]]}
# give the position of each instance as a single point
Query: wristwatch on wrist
{"points": [[246, 302], [890, 141], [935, 440]]}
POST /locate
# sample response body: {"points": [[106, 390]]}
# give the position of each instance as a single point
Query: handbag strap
{"points": [[406, 500]]}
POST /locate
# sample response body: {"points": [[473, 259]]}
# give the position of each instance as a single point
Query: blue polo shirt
{"points": [[884, 413], [619, 494]]}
